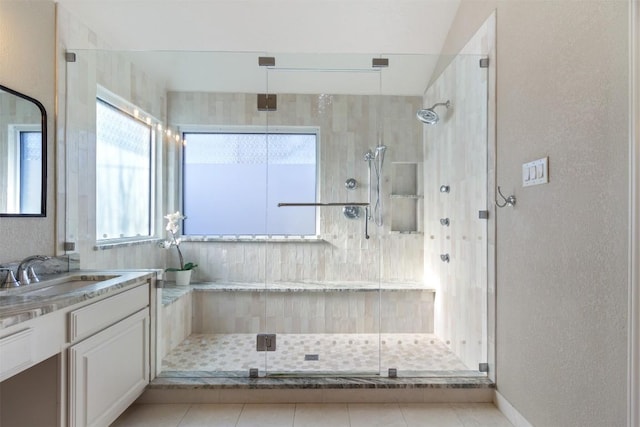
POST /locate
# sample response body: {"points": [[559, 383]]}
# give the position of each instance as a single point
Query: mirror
{"points": [[23, 155]]}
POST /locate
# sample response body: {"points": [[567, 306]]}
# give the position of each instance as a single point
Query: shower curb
{"points": [[318, 390]]}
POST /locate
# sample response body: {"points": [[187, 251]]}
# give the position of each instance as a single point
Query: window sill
{"points": [[101, 246], [254, 239]]}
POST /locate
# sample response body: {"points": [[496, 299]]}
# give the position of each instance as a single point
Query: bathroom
{"points": [[73, 222]]}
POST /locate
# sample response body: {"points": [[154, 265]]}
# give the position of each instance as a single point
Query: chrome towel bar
{"points": [[287, 205]]}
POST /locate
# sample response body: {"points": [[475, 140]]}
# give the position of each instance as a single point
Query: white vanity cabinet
{"points": [[108, 357]]}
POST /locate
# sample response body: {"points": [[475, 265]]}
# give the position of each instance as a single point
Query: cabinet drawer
{"points": [[16, 353], [95, 317]]}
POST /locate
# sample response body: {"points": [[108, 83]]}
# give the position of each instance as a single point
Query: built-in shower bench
{"points": [[171, 293]]}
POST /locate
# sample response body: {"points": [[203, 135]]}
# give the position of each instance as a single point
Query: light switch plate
{"points": [[535, 172]]}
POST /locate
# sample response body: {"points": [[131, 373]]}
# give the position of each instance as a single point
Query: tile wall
{"points": [[348, 128], [175, 323], [313, 312]]}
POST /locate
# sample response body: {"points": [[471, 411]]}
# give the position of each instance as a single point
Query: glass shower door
{"points": [[323, 262]]}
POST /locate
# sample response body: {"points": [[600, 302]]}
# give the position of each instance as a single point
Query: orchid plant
{"points": [[173, 225]]}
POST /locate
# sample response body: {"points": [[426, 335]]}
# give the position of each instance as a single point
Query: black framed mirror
{"points": [[23, 155]]}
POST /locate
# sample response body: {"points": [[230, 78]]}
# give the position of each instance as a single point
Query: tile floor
{"points": [[309, 415], [335, 353]]}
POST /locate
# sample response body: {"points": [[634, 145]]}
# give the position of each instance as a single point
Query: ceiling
{"points": [[213, 45]]}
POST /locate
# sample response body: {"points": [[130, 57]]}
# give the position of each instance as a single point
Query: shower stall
{"points": [[313, 209], [359, 294]]}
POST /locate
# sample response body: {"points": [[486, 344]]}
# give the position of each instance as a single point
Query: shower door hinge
{"points": [[70, 56], [266, 342], [267, 102], [483, 214], [484, 63], [380, 62], [266, 61], [483, 367]]}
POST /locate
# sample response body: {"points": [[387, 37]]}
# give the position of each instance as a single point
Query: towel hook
{"points": [[508, 201]]}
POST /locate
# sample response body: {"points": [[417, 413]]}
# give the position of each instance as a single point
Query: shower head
{"points": [[429, 116]]}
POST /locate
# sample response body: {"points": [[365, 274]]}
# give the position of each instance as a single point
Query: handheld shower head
{"points": [[429, 116]]}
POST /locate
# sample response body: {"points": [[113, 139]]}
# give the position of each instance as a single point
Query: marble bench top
{"points": [[171, 293]]}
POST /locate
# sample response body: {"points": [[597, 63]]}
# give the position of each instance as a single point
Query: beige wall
{"points": [[562, 92], [27, 34]]}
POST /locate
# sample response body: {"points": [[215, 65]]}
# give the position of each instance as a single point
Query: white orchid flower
{"points": [[173, 226], [174, 217]]}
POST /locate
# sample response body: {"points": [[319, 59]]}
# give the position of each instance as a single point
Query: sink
{"points": [[58, 286]]}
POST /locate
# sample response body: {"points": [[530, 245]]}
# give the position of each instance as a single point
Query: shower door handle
{"points": [[288, 205]]}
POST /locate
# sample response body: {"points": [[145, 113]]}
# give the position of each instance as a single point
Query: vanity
{"points": [[75, 350]]}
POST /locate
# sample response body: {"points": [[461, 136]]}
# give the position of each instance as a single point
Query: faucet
{"points": [[25, 273], [10, 281]]}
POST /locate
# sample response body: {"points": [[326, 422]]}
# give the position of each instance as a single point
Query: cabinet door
{"points": [[108, 371]]}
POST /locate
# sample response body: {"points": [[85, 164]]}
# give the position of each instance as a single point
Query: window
{"points": [[233, 182], [30, 171], [24, 169], [123, 174]]}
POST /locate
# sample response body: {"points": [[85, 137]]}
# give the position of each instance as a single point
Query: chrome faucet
{"points": [[25, 273]]}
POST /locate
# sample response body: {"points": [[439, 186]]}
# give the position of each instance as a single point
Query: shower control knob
{"points": [[444, 222], [444, 188], [444, 257]]}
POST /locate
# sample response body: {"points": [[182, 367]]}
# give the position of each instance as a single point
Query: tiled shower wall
{"points": [[348, 128], [456, 155], [77, 86]]}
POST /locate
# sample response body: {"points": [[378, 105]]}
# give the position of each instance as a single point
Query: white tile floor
{"points": [[310, 414]]}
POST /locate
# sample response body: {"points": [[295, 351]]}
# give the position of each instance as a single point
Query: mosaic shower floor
{"points": [[410, 354]]}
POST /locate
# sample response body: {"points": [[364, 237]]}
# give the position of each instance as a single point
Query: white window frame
{"points": [[137, 113], [310, 130]]}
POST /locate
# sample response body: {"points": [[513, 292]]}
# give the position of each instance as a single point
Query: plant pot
{"points": [[183, 277]]}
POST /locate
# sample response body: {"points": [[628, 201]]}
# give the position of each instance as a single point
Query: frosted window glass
{"points": [[233, 183], [123, 174]]}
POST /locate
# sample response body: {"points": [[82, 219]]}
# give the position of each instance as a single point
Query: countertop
{"points": [[16, 307]]}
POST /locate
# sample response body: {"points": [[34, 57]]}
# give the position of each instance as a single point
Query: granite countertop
{"points": [[18, 305]]}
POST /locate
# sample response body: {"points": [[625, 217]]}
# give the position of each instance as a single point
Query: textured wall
{"points": [[562, 92], [27, 34], [348, 128]]}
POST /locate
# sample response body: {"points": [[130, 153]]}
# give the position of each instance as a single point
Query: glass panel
{"points": [[354, 293], [210, 328], [434, 261], [322, 294]]}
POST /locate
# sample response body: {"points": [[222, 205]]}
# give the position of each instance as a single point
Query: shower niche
{"points": [[406, 198]]}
